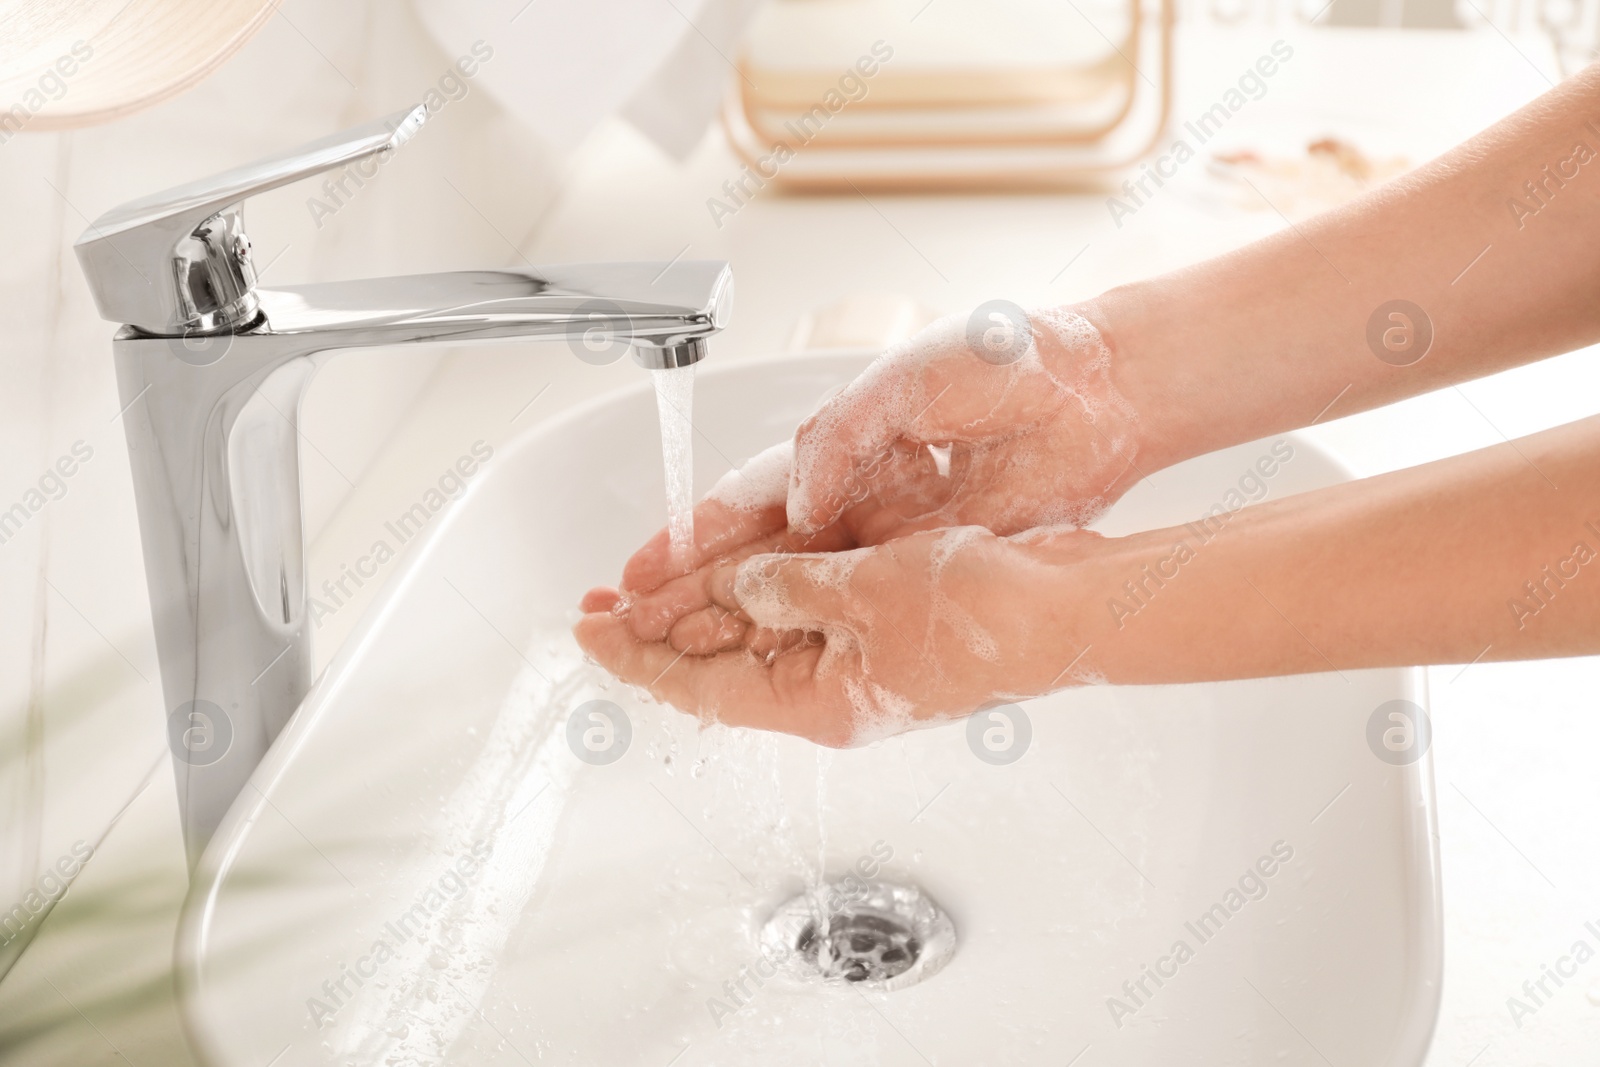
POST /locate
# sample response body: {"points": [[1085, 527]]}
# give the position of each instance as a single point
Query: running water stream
{"points": [[675, 408]]}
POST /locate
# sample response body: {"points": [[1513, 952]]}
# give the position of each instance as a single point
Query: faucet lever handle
{"points": [[178, 262]]}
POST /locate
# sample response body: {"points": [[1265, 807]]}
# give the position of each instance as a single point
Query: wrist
{"points": [[1087, 590], [1063, 579], [1139, 372]]}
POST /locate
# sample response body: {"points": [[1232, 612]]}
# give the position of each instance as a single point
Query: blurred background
{"points": [[865, 165]]}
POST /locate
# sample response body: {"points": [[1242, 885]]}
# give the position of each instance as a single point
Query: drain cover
{"points": [[869, 933]]}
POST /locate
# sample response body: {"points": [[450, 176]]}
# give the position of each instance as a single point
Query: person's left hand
{"points": [[666, 596], [874, 640]]}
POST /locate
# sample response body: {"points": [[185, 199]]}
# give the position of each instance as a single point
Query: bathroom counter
{"points": [[1514, 744]]}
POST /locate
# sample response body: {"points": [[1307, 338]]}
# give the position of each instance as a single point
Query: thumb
{"points": [[798, 591], [863, 420], [932, 387]]}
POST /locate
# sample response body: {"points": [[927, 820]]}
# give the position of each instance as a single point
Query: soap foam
{"points": [[947, 610], [876, 399], [762, 482], [1064, 372], [855, 650], [757, 590], [1013, 438]]}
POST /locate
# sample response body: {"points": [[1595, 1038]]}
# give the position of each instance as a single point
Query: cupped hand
{"points": [[666, 596], [876, 640]]}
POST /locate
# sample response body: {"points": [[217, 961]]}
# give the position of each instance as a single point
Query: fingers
{"points": [[937, 387], [600, 598], [767, 645], [655, 615], [745, 504], [654, 665], [803, 591], [708, 631], [732, 688], [718, 529], [862, 421], [918, 391]]}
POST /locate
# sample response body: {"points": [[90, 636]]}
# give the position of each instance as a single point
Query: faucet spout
{"points": [[211, 369], [652, 306]]}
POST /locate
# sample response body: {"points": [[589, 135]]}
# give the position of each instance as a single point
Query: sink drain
{"points": [[874, 934]]}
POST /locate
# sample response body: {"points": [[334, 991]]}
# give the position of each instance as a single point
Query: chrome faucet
{"points": [[211, 368]]}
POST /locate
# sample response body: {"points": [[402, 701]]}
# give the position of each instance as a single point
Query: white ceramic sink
{"points": [[617, 900]]}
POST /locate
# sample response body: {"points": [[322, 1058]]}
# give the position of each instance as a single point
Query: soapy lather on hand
{"points": [[910, 472], [917, 551]]}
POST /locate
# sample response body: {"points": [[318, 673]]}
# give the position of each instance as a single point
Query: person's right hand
{"points": [[1020, 409]]}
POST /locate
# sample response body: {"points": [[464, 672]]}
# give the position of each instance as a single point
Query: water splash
{"points": [[675, 408], [817, 886], [505, 811]]}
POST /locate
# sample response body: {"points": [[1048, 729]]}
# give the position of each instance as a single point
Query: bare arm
{"points": [[1474, 556], [1490, 555], [1263, 339]]}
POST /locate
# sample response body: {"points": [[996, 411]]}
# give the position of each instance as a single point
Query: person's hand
{"points": [[1011, 426], [1018, 410], [665, 597], [872, 641]]}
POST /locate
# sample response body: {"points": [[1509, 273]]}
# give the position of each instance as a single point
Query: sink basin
{"points": [[442, 861]]}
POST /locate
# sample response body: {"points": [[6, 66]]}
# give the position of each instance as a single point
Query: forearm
{"points": [[1271, 337], [1476, 556]]}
